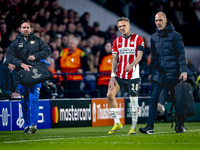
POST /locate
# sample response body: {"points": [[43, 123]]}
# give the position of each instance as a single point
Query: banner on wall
{"points": [[44, 119], [143, 115], [71, 113], [5, 116], [100, 112]]}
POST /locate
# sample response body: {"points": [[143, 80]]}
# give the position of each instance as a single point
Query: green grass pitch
{"points": [[96, 138]]}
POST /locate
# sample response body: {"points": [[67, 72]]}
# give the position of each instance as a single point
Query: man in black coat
{"points": [[7, 81], [168, 65], [24, 49]]}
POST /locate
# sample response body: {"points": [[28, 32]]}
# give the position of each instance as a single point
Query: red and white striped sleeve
{"points": [[114, 48]]}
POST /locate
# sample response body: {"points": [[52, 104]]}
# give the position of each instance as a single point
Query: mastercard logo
{"points": [[55, 115]]}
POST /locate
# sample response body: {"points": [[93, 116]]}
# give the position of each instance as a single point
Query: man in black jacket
{"points": [[168, 65], [7, 81], [28, 47]]}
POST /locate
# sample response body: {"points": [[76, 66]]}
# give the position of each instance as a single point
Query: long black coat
{"points": [[168, 56], [21, 49], [7, 87]]}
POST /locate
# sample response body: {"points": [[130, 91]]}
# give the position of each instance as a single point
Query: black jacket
{"points": [[7, 82], [167, 56], [20, 50]]}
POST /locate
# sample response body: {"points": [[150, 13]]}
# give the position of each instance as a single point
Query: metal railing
{"points": [[144, 85]]}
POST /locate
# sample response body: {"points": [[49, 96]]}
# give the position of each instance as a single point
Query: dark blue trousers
{"points": [[156, 89]]}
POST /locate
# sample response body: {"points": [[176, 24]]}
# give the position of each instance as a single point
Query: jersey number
{"points": [[134, 87]]}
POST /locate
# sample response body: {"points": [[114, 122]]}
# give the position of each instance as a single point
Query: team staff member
{"points": [[127, 52], [28, 46], [168, 65], [73, 60], [105, 65]]}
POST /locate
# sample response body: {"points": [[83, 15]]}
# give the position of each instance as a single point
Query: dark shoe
{"points": [[146, 130], [27, 130], [33, 128], [180, 129]]}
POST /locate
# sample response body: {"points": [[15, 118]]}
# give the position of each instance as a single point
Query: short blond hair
{"points": [[123, 19]]}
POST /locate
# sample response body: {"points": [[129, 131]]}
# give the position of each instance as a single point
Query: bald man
{"points": [[168, 65]]}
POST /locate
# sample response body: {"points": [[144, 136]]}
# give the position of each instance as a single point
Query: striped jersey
{"points": [[127, 48]]}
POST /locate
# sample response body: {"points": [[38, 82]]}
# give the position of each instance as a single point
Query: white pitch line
{"points": [[54, 139]]}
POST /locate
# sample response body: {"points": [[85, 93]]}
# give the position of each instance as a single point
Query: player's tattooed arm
{"points": [[114, 62], [136, 61], [113, 81]]}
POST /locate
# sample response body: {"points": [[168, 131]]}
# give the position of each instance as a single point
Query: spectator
{"points": [[111, 34], [54, 30], [13, 15], [47, 39], [37, 33], [41, 17], [47, 16], [11, 37], [79, 29], [46, 5], [33, 16], [24, 7], [65, 16], [95, 30], [4, 9], [65, 40], [47, 27], [73, 60], [97, 44], [56, 56], [54, 6], [7, 81], [59, 42], [4, 33], [1, 55], [76, 16], [35, 7], [71, 28], [53, 44], [62, 28], [84, 19], [169, 9], [55, 68], [105, 64], [71, 17]]}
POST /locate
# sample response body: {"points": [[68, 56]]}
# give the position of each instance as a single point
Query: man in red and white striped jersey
{"points": [[127, 52]]}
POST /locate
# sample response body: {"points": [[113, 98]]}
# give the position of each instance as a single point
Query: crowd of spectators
{"points": [[54, 25], [184, 15]]}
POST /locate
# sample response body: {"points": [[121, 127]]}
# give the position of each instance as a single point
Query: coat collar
{"points": [[19, 36], [169, 28]]}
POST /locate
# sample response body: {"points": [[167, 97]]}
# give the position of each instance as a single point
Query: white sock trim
{"points": [[115, 115], [134, 111]]}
